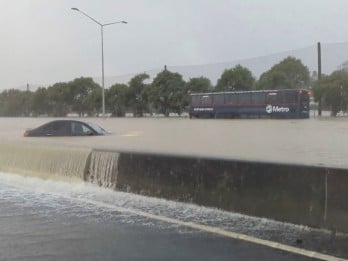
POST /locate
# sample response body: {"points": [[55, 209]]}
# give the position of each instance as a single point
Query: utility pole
{"points": [[319, 77]]}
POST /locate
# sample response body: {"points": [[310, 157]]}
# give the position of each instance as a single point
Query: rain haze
{"points": [[240, 167], [43, 42]]}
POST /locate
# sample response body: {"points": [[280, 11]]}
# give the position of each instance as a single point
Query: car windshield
{"points": [[97, 128]]}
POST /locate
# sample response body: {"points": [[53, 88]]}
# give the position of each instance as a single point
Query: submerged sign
{"points": [[271, 109]]}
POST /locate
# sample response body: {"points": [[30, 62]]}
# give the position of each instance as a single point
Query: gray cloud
{"points": [[43, 41]]}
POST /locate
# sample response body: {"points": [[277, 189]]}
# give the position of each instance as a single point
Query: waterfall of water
{"points": [[102, 168], [44, 161]]}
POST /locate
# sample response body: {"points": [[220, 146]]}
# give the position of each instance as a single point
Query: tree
{"points": [[27, 97], [290, 73], [136, 96], [94, 101], [167, 92], [196, 85], [238, 78], [59, 99], [81, 92], [39, 102], [116, 99], [15, 103], [332, 90]]}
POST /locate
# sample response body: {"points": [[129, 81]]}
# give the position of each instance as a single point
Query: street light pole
{"points": [[103, 88], [102, 50]]}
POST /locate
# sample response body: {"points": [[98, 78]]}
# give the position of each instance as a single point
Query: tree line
{"points": [[169, 92]]}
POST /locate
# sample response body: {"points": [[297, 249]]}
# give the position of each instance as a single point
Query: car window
{"points": [[57, 128], [80, 129], [96, 128]]}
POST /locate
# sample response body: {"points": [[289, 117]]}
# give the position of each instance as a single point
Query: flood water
{"points": [[312, 142], [52, 220]]}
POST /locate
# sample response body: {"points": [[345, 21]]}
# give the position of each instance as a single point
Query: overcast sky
{"points": [[44, 41]]}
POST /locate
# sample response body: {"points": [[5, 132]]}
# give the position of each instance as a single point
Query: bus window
{"points": [[196, 100], [288, 96], [272, 97], [257, 98], [244, 98], [230, 98], [219, 99], [207, 100]]}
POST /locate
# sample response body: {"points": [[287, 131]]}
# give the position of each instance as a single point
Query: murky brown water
{"points": [[313, 142]]}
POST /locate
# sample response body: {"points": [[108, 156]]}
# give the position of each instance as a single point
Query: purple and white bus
{"points": [[287, 103]]}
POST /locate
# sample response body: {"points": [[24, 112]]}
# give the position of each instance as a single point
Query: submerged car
{"points": [[66, 128]]}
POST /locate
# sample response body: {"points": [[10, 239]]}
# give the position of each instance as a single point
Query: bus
{"points": [[286, 103]]}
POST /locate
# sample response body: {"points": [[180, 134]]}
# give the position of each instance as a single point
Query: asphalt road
{"points": [[44, 220]]}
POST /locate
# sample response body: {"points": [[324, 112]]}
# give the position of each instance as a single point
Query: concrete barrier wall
{"points": [[337, 199], [305, 195], [312, 196]]}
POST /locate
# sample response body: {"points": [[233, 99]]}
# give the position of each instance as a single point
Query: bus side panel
{"points": [[273, 104], [226, 111]]}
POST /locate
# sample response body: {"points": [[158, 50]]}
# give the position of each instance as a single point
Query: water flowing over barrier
{"points": [[101, 168], [43, 161], [307, 195]]}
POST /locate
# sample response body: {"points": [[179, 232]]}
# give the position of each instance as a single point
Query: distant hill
{"points": [[333, 55]]}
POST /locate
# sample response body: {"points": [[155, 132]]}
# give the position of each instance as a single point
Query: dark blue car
{"points": [[66, 128]]}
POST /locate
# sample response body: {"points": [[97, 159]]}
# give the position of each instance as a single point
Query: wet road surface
{"points": [[50, 220]]}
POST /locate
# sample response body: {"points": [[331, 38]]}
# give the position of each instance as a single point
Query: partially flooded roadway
{"points": [[318, 142], [71, 225]]}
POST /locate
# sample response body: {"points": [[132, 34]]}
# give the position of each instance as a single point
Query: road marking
{"points": [[205, 228], [132, 134], [215, 230]]}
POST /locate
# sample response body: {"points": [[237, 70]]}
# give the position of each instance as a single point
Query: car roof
{"points": [[68, 121]]}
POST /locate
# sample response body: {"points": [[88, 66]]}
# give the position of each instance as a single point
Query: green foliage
{"points": [[116, 99], [137, 96], [94, 101], [15, 103], [83, 93], [59, 99], [238, 78], [40, 102], [290, 73], [333, 91], [167, 92], [198, 84]]}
